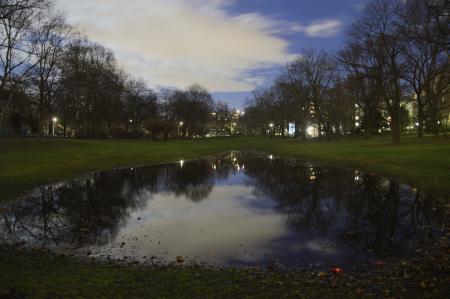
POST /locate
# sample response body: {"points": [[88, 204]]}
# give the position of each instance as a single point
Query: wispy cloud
{"points": [[321, 28], [179, 42]]}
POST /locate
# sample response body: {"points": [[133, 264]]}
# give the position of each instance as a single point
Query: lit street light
{"points": [[180, 124], [271, 130], [54, 121]]}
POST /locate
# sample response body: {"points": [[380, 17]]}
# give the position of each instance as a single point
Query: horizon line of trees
{"points": [[396, 53]]}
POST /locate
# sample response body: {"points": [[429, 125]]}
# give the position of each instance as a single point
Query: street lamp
{"points": [[271, 130], [180, 124], [54, 121]]}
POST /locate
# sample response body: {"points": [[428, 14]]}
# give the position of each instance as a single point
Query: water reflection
{"points": [[238, 208]]}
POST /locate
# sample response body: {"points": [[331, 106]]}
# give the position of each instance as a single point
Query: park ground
{"points": [[26, 163]]}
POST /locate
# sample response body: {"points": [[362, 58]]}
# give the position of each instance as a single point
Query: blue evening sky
{"points": [[305, 12]]}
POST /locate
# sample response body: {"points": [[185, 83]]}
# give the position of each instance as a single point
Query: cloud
{"points": [[322, 28], [179, 42]]}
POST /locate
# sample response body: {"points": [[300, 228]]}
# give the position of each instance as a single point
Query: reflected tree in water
{"points": [[94, 208], [363, 211]]}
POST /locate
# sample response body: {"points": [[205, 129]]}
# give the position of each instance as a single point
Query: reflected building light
{"points": [[243, 167], [238, 167], [214, 166], [181, 163], [357, 177], [271, 157]]}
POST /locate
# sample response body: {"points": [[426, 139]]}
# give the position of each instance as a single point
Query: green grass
{"points": [[25, 163]]}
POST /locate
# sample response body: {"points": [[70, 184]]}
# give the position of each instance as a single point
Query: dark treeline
{"points": [[391, 75], [54, 81]]}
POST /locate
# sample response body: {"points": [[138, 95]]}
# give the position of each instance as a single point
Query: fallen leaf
{"points": [[336, 270], [379, 263], [180, 259]]}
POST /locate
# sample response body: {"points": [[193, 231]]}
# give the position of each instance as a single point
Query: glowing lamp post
{"points": [[271, 129], [54, 121], [180, 124]]}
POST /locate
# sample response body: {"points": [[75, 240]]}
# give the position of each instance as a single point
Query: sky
{"points": [[230, 47]]}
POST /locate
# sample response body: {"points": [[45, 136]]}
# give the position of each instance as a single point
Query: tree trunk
{"points": [[395, 125], [297, 130], [420, 116], [434, 118]]}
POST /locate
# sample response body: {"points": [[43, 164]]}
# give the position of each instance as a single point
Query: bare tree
{"points": [[48, 43], [317, 71], [16, 48], [299, 91], [140, 103], [364, 89], [375, 32], [426, 61]]}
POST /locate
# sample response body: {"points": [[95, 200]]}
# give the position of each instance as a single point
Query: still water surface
{"points": [[240, 208]]}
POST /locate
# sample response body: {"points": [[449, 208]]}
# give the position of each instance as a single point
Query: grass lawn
{"points": [[25, 163]]}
